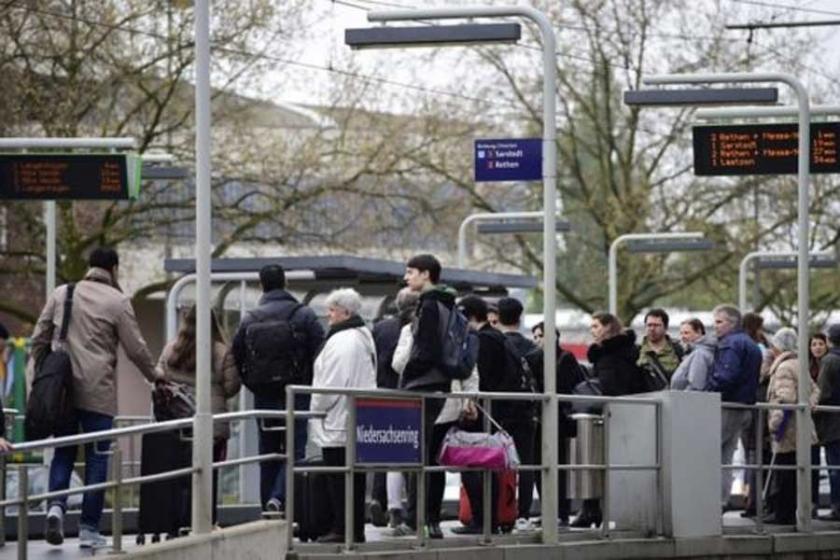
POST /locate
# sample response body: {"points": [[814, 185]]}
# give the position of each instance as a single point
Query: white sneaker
{"points": [[55, 526], [523, 525], [91, 538]]}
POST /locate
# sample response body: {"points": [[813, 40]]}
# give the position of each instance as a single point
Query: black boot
{"points": [[590, 514]]}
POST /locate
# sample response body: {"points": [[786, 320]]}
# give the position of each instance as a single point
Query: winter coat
{"points": [[614, 363], [224, 381], [101, 320], [386, 334], [276, 305], [828, 423], [693, 372], [736, 368], [784, 380], [347, 360], [493, 376], [422, 372], [451, 407]]}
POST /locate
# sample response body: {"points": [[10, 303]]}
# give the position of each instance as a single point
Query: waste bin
{"points": [[586, 449]]}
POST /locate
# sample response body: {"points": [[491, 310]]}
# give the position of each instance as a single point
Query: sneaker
{"points": [[404, 530], [274, 507], [377, 514], [523, 525], [55, 526], [395, 518], [91, 538]]}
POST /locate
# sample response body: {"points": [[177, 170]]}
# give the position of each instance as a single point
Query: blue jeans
{"points": [[273, 473], [96, 467], [832, 457]]}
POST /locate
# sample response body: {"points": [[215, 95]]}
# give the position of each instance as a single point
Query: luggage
{"points": [[313, 514], [171, 401], [164, 505], [49, 409], [506, 507], [274, 352], [459, 344]]}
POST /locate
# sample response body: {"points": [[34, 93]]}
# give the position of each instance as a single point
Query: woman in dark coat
{"points": [[613, 356]]}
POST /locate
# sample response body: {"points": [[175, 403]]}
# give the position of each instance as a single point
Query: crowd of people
{"points": [[734, 358]]}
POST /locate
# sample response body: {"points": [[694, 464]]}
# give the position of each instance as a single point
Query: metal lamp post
{"points": [[549, 172], [785, 260], [494, 216], [803, 414], [613, 256]]}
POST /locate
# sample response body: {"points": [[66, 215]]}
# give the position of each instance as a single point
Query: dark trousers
{"points": [[219, 454], [437, 481], [524, 437], [784, 500], [564, 505], [273, 473], [335, 457], [431, 410], [379, 492]]}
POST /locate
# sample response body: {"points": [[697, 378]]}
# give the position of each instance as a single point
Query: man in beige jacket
{"points": [[101, 320]]}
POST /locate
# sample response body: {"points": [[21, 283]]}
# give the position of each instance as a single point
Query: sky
{"points": [[323, 47]]}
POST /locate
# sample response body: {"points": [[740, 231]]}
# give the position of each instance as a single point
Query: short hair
{"points": [[272, 277], [406, 300], [733, 315], [510, 311], [541, 327], [611, 322], [104, 257], [658, 312], [474, 308], [345, 298], [695, 324], [833, 333], [427, 263], [785, 339]]}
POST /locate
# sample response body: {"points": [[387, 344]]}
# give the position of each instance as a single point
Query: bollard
{"points": [[116, 510], [23, 512]]}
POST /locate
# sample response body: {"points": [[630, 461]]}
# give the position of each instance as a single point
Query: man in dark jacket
{"points": [[735, 376], [277, 304], [828, 423], [423, 371], [386, 334]]}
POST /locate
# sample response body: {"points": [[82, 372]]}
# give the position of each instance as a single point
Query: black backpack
{"points": [[49, 408], [520, 376], [459, 344], [275, 353], [171, 401]]}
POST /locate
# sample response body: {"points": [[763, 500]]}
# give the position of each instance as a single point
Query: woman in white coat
{"points": [[347, 359]]}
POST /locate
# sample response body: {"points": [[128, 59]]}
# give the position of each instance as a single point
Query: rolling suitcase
{"points": [[313, 514], [506, 506], [164, 505]]}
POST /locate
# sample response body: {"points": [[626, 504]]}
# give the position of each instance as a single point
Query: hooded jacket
{"points": [[346, 361], [693, 372], [614, 364], [101, 320], [422, 372]]}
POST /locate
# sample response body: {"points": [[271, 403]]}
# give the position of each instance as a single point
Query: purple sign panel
{"points": [[511, 159], [389, 430]]}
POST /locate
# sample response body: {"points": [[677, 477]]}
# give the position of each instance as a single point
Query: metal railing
{"points": [[351, 468], [761, 467], [118, 482]]}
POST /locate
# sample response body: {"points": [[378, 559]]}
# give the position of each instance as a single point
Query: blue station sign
{"points": [[511, 159], [389, 430]]}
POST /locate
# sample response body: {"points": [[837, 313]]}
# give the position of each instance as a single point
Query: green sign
{"points": [[69, 176]]}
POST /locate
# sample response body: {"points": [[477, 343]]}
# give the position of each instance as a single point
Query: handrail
{"points": [[90, 437]]}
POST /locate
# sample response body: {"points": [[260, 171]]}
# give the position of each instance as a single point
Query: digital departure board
{"points": [[763, 149], [69, 176]]}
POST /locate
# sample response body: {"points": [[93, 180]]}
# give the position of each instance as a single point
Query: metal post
{"points": [[483, 216], [203, 424], [606, 505], [50, 223], [487, 488], [660, 476], [803, 414], [612, 262], [23, 512], [290, 465], [759, 473], [349, 462], [549, 172], [421, 478], [116, 510]]}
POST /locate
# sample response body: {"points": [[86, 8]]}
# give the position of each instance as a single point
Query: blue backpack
{"points": [[459, 344]]}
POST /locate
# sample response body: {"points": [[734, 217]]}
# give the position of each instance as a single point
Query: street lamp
{"points": [[803, 413], [519, 227], [560, 226], [776, 260], [654, 240], [434, 36], [549, 173], [703, 96]]}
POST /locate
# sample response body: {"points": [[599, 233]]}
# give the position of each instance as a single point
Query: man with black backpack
{"points": [[274, 346], [75, 344]]}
